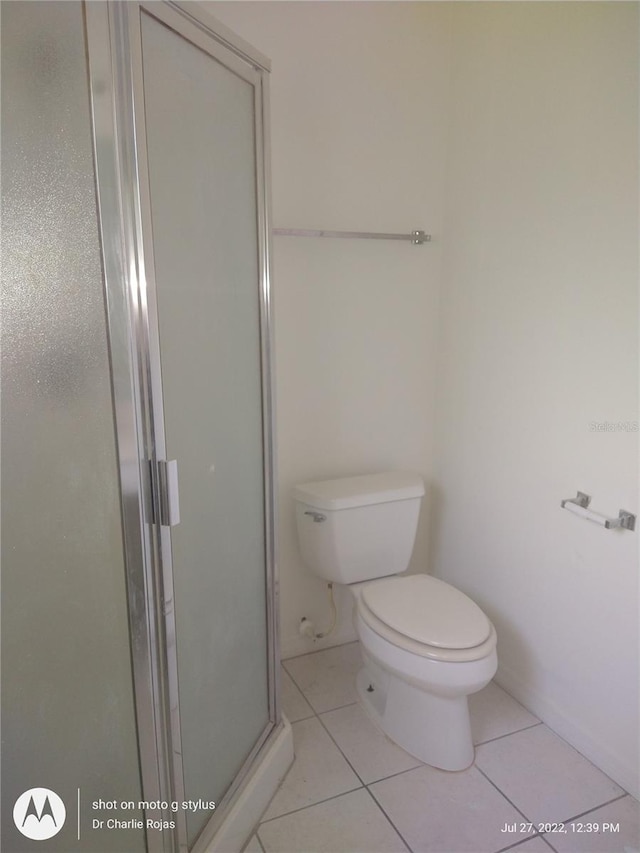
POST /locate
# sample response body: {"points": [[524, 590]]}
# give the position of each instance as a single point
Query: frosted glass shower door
{"points": [[200, 119]]}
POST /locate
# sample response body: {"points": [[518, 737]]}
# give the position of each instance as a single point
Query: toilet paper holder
{"points": [[580, 506]]}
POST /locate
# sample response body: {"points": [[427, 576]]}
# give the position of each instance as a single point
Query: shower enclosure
{"points": [[139, 600]]}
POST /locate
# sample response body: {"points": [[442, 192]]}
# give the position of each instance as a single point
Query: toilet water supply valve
{"points": [[308, 629]]}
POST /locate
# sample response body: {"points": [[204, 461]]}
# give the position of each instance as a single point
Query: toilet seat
{"points": [[426, 616], [427, 610]]}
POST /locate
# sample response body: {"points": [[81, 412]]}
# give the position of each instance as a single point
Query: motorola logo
{"points": [[39, 813]]}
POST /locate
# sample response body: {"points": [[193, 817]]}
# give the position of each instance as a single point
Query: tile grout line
{"points": [[363, 784], [311, 805], [301, 719], [508, 734], [399, 773], [318, 651], [377, 804], [502, 794], [337, 708], [546, 841], [595, 808], [517, 844], [522, 841], [297, 686], [315, 713]]}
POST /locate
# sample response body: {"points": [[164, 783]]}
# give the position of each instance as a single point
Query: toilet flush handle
{"points": [[316, 516]]}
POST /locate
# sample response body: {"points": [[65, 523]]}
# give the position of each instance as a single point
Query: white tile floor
{"points": [[351, 790]]}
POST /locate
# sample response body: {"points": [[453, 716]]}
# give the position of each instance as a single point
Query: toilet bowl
{"points": [[425, 645], [416, 692]]}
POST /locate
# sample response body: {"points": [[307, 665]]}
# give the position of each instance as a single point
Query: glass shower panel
{"points": [[67, 693], [201, 147]]}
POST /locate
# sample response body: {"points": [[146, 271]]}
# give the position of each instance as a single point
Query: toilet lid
{"points": [[428, 610]]}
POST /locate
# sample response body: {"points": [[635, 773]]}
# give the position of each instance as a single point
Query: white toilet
{"points": [[426, 646]]}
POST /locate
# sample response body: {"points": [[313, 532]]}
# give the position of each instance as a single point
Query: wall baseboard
{"points": [[624, 772]]}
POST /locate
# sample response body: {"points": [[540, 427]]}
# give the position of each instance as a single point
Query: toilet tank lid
{"points": [[348, 492]]}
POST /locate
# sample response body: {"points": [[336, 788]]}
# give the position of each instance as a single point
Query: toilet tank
{"points": [[358, 528]]}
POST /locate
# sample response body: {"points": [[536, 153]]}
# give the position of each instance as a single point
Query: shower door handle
{"points": [[169, 492]]}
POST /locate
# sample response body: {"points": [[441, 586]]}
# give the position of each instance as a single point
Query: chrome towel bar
{"points": [[580, 506], [416, 237]]}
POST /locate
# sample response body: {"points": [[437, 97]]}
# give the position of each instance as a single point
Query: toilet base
{"points": [[434, 729]]}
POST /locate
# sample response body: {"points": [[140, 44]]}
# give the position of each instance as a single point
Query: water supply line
{"points": [[308, 629]]}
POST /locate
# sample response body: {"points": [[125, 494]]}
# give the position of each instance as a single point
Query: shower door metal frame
{"points": [[117, 101]]}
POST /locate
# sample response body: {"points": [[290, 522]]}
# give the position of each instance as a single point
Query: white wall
{"points": [[531, 111], [540, 340], [358, 100]]}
